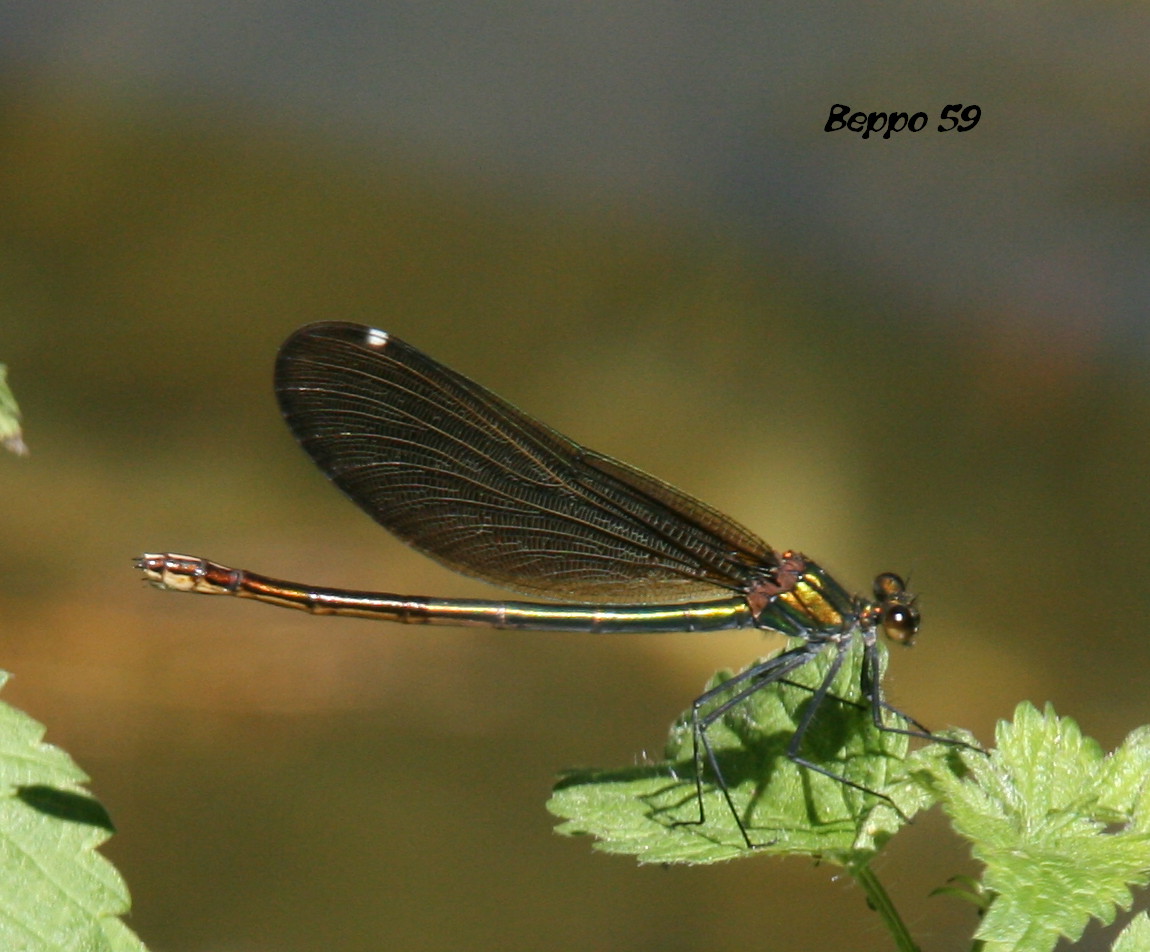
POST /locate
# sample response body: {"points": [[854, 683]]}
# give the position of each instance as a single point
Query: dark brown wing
{"points": [[476, 484]]}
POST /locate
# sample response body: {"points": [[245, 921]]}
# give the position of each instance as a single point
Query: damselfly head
{"points": [[898, 615]]}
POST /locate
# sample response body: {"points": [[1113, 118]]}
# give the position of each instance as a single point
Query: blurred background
{"points": [[927, 354]]}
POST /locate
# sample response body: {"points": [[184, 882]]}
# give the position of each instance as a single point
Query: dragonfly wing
{"points": [[476, 484]]}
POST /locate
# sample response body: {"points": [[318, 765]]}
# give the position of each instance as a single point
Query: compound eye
{"points": [[888, 586], [900, 623]]}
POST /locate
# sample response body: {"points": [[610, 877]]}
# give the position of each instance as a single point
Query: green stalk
{"points": [[879, 901]]}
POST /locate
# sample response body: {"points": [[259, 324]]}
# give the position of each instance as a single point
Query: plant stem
{"points": [[880, 902]]}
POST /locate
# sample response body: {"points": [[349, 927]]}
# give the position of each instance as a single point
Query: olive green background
{"points": [[286, 782]]}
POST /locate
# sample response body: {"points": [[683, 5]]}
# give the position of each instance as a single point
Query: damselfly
{"points": [[476, 484]]}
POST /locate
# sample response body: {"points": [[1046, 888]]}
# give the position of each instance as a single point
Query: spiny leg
{"points": [[820, 694], [872, 689], [759, 676], [775, 671], [857, 705]]}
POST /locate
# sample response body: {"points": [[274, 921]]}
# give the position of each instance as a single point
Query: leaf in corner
{"points": [[57, 894], [1136, 936], [1063, 828], [11, 435]]}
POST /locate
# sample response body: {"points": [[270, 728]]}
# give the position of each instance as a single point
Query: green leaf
{"points": [[1064, 829], [1136, 936], [57, 894], [651, 811], [11, 436]]}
